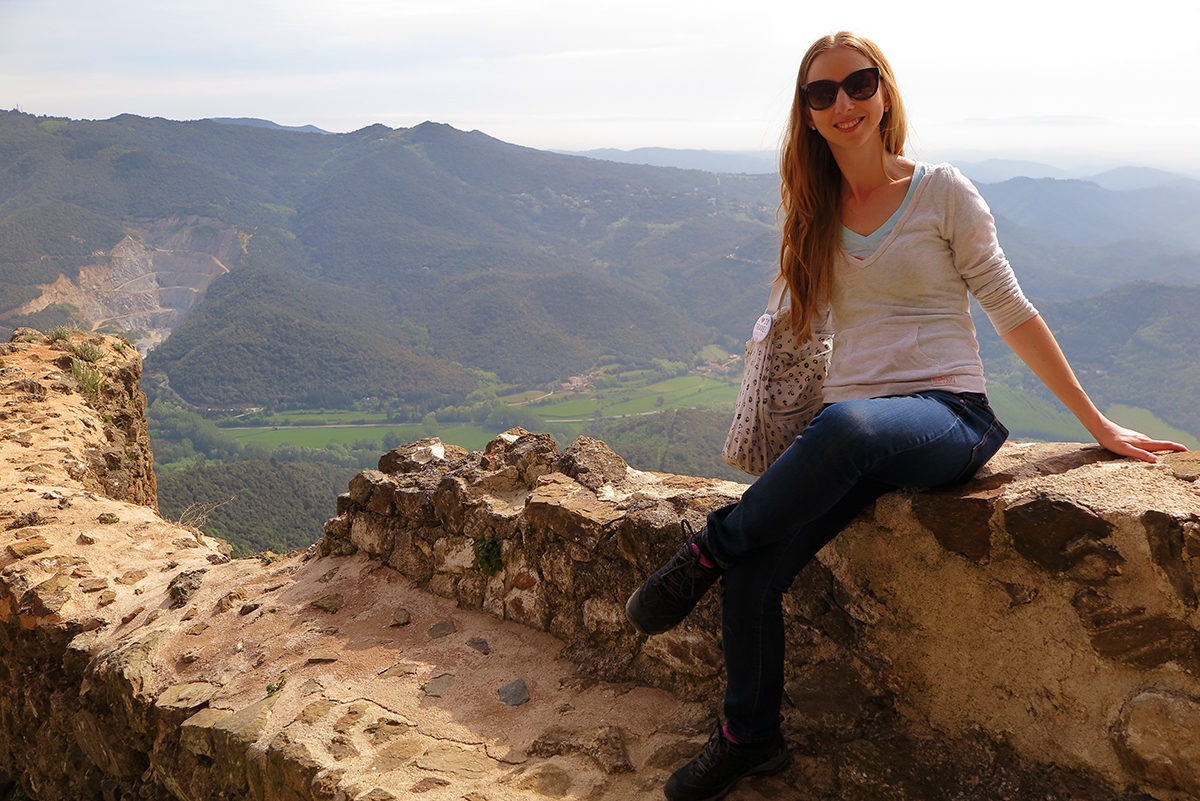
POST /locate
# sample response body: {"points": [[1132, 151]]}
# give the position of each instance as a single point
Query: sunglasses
{"points": [[859, 85]]}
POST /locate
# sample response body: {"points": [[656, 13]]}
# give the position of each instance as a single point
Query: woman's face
{"points": [[848, 123]]}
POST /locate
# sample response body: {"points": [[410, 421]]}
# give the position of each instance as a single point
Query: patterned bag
{"points": [[781, 389]]}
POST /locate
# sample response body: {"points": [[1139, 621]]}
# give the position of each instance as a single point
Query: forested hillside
{"points": [[1133, 345], [257, 504], [391, 263]]}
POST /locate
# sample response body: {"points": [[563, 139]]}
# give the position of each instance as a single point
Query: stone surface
{"points": [[514, 693], [1031, 635], [443, 628], [439, 685], [1157, 737]]}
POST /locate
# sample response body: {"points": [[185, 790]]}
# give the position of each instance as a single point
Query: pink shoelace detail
{"points": [[704, 560]]}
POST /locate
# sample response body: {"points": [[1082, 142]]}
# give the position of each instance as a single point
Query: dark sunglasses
{"points": [[859, 85]]}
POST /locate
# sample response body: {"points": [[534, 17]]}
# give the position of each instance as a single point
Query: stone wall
{"points": [[1034, 632]]}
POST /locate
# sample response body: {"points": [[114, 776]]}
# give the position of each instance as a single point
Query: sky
{"points": [[1061, 83]]}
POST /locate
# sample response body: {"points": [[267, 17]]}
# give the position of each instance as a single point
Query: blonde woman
{"points": [[889, 249]]}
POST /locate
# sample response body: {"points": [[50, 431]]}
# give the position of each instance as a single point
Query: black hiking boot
{"points": [[671, 592], [722, 763]]}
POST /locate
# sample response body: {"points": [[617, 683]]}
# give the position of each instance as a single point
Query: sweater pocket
{"points": [[889, 353]]}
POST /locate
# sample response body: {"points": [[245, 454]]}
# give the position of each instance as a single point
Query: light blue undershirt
{"points": [[860, 246]]}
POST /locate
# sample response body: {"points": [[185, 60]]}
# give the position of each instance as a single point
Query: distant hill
{"points": [[1084, 213], [751, 162], [1123, 178], [257, 123], [427, 265], [990, 171]]}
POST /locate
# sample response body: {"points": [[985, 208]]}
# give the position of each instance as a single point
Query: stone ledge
{"points": [[1025, 608]]}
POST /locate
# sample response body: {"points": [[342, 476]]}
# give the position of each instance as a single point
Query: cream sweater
{"points": [[901, 317]]}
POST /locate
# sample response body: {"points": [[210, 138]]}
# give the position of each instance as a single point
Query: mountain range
{"points": [[283, 267], [986, 171]]}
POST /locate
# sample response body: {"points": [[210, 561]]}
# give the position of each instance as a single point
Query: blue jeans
{"points": [[853, 452]]}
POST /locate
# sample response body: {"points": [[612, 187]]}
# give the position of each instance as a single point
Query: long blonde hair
{"points": [[811, 185]]}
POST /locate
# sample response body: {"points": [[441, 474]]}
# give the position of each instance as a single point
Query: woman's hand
{"points": [[1134, 444]]}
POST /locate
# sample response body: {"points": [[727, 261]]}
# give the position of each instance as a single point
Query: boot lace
{"points": [[681, 578]]}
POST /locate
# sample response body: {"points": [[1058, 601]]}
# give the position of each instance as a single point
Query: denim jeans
{"points": [[853, 452]]}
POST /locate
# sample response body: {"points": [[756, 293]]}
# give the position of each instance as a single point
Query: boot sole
{"points": [[776, 764]]}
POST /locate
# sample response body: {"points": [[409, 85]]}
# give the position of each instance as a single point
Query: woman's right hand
{"points": [[1132, 444]]}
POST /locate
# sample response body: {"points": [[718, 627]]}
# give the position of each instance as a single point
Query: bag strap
{"points": [[778, 287]]}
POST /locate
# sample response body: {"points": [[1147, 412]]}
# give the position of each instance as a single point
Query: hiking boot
{"points": [[722, 763], [670, 593]]}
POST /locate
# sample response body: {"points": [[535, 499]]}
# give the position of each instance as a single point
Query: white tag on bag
{"points": [[761, 328]]}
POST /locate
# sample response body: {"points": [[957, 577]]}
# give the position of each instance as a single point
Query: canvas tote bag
{"points": [[781, 389]]}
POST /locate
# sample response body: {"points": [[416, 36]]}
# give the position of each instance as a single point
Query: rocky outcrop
{"points": [[458, 632], [150, 279], [104, 434]]}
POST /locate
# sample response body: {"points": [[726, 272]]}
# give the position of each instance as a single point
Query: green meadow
{"points": [[567, 415], [690, 392], [318, 437]]}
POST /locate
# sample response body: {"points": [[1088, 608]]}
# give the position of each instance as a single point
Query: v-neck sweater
{"points": [[862, 245], [901, 316]]}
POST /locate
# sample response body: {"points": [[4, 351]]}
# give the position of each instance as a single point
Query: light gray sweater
{"points": [[901, 317]]}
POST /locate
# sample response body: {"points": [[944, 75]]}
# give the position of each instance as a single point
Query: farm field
{"points": [[568, 415], [565, 415]]}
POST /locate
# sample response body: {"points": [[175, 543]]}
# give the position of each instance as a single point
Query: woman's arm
{"points": [[1035, 344]]}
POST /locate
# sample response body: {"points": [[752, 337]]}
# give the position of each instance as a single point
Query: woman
{"points": [[890, 248]]}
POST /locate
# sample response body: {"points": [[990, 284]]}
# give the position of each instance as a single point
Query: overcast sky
{"points": [[1066, 83]]}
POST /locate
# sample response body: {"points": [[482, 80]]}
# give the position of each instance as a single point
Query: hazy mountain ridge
{"points": [[384, 233], [995, 170], [750, 162], [402, 262], [1085, 213], [255, 122]]}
